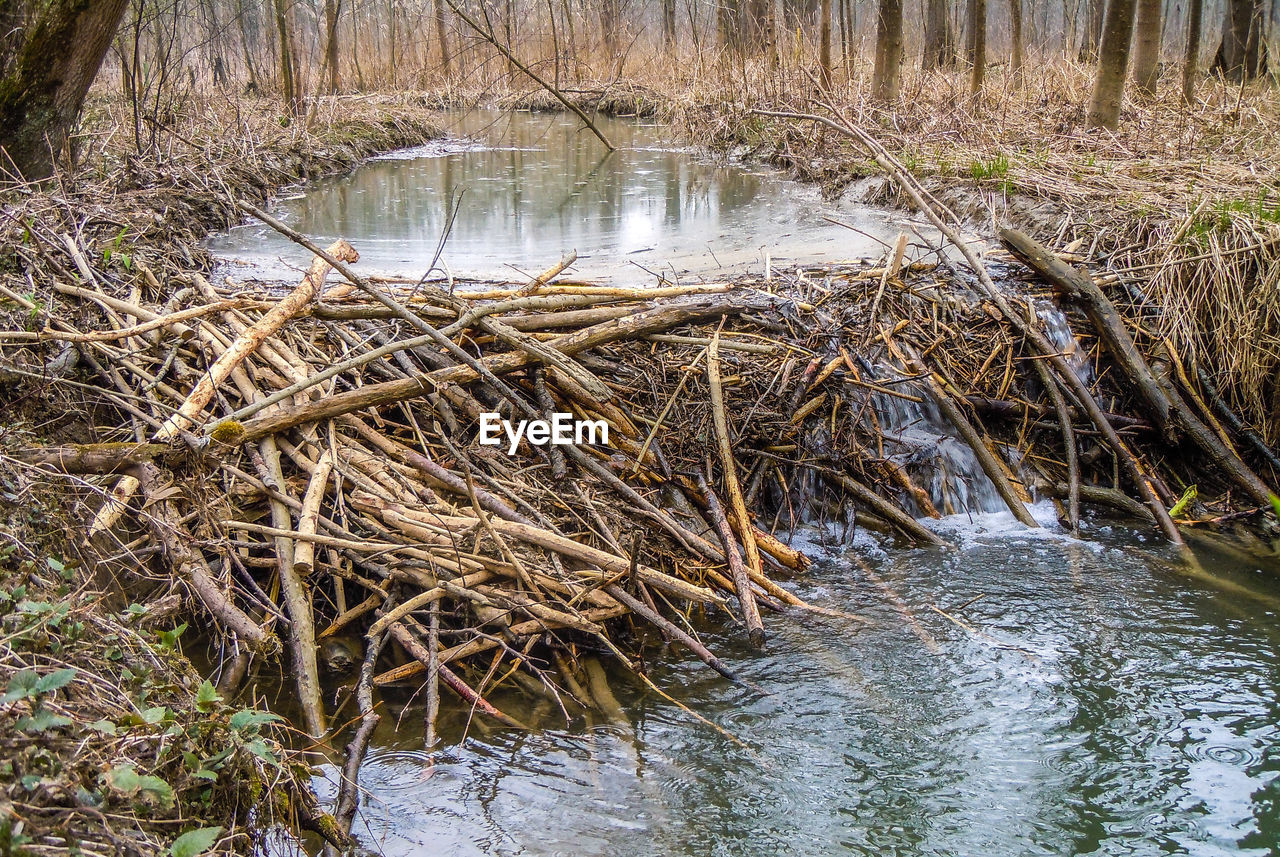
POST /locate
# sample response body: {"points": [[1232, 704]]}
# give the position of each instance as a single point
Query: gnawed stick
{"points": [[349, 789], [738, 572], [1170, 413], [1069, 443], [929, 206], [750, 613], [414, 647], [243, 345], [304, 549]]}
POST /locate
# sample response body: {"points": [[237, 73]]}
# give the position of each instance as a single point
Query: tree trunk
{"points": [[442, 39], [1092, 36], [729, 22], [939, 42], [43, 83], [977, 44], [824, 45], [1113, 65], [669, 23], [1242, 53], [1015, 34], [290, 85], [332, 11], [1146, 52], [885, 76], [1191, 64]]}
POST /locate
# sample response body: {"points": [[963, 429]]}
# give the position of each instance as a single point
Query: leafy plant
{"points": [[195, 842]]}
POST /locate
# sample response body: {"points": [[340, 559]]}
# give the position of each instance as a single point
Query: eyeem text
{"points": [[560, 430]]}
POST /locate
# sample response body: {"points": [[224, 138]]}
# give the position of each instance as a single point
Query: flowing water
{"points": [[1016, 692], [1096, 700], [515, 191]]}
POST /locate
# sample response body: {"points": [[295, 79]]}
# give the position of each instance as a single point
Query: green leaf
{"points": [[106, 727], [21, 686], [157, 789], [1275, 504], [124, 778], [55, 564], [42, 719], [169, 639], [55, 680], [251, 719], [259, 748], [195, 842], [154, 715], [207, 697]]}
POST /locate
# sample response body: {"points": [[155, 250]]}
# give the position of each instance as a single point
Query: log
{"points": [[1168, 410]]}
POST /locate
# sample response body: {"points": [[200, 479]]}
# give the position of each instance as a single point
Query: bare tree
{"points": [[332, 12], [939, 39], [1242, 53], [290, 81], [1191, 63], [885, 76], [1113, 65], [46, 68], [977, 44], [1092, 35], [1146, 53], [1015, 34], [442, 39], [824, 44]]}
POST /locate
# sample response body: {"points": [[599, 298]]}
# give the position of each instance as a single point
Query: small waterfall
{"points": [[1059, 333], [921, 441], [924, 444]]}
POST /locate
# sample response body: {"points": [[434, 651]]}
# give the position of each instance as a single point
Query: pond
{"points": [[513, 192]]}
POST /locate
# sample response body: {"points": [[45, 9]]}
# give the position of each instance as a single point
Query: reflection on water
{"points": [[1099, 702], [523, 189]]}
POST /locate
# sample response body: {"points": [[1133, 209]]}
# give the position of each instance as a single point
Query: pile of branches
{"points": [[307, 463]]}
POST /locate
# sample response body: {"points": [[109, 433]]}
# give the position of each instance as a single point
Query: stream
{"points": [[1015, 692]]}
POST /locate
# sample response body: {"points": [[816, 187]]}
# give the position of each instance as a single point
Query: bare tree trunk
{"points": [[760, 25], [290, 85], [1191, 63], [245, 39], [939, 42], [44, 83], [1015, 33], [332, 11], [977, 44], [1242, 53], [824, 44], [1146, 53], [729, 19], [886, 74], [669, 23], [442, 39], [1113, 65], [1092, 36]]}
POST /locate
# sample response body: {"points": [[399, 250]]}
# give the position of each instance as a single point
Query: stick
{"points": [[304, 549]]}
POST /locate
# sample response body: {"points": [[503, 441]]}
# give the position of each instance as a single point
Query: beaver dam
{"points": [[1036, 612]]}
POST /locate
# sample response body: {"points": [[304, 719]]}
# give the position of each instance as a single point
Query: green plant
{"points": [[996, 168]]}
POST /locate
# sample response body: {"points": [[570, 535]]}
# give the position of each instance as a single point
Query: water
{"points": [[1097, 701], [1014, 693], [527, 188]]}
